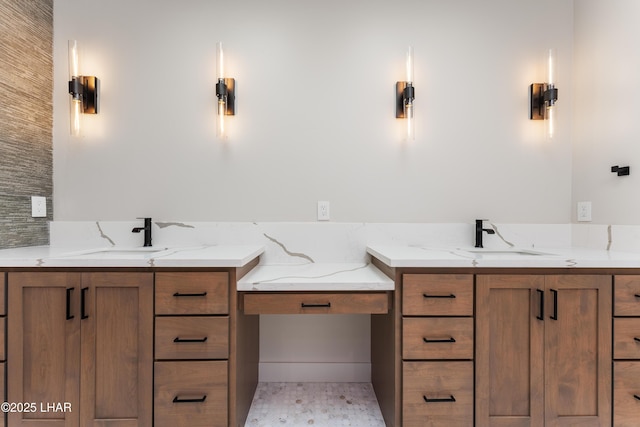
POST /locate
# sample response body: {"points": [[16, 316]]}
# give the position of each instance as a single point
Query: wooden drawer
{"points": [[192, 337], [626, 394], [437, 394], [437, 338], [437, 295], [191, 394], [316, 303], [626, 296], [626, 338], [192, 293], [3, 289], [3, 328]]}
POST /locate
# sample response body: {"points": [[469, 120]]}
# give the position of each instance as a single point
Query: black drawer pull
{"points": [[636, 339], [554, 316], [177, 399], [637, 295], [540, 316], [178, 295], [327, 305], [636, 396], [178, 339], [427, 340], [83, 303], [69, 315], [439, 400], [439, 296]]}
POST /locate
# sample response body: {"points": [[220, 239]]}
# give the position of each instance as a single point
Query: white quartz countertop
{"points": [[422, 256], [201, 256], [316, 277]]}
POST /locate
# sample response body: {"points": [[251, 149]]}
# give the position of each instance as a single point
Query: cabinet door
{"points": [[117, 350], [578, 351], [43, 361], [509, 351]]}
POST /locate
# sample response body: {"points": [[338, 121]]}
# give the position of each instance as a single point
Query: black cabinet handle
{"points": [[541, 315], [177, 399], [178, 295], [427, 340], [327, 305], [83, 303], [637, 295], [437, 400], [636, 396], [636, 339], [69, 315], [178, 339], [439, 296], [554, 316]]}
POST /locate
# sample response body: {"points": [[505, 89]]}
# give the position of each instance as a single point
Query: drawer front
{"points": [[192, 337], [316, 303], [437, 394], [3, 328], [437, 338], [626, 394], [3, 288], [626, 296], [437, 295], [190, 394], [626, 338], [192, 293]]}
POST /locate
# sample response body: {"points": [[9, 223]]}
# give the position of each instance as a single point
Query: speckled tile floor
{"points": [[316, 404]]}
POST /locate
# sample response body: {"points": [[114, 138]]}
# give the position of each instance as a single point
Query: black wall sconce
{"points": [[84, 91], [621, 170], [225, 92], [543, 96], [405, 95]]}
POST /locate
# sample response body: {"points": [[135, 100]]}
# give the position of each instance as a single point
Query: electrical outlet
{"points": [[584, 211], [38, 207], [323, 211]]}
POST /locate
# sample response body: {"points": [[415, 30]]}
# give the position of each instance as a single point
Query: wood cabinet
{"points": [[192, 349], [437, 350], [88, 332], [543, 350], [626, 351], [3, 331]]}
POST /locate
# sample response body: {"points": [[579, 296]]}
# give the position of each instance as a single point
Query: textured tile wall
{"points": [[26, 116]]}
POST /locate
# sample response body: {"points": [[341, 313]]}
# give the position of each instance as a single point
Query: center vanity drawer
{"points": [[191, 394], [437, 338], [626, 338], [316, 303], [437, 394], [192, 293], [437, 295], [626, 296], [192, 337]]}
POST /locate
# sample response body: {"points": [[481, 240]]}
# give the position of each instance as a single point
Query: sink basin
{"points": [[118, 253], [504, 253]]}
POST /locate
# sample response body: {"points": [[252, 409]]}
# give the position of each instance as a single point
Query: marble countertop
{"points": [[200, 256], [510, 257], [316, 277]]}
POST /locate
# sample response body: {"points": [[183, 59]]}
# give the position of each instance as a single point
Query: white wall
{"points": [[607, 107], [315, 117]]}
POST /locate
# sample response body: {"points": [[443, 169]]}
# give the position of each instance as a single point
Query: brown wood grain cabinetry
{"points": [[543, 350], [316, 303], [192, 349], [437, 350], [626, 351], [71, 331], [3, 330]]}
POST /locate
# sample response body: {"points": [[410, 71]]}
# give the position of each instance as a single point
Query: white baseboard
{"points": [[315, 372]]}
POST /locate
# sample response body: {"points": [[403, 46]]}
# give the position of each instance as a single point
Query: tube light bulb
{"points": [[410, 64]]}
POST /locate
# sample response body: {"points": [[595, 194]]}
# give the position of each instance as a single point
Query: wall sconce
{"points": [[83, 90], [405, 95], [225, 92], [543, 96]]}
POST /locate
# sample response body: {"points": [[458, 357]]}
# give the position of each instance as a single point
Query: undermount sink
{"points": [[505, 252], [114, 253]]}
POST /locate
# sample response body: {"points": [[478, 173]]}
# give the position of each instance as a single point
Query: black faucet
{"points": [[147, 231], [479, 231]]}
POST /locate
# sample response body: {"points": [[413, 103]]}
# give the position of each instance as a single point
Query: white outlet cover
{"points": [[38, 207], [584, 211], [323, 210]]}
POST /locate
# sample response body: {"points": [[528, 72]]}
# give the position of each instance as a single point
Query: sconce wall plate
{"points": [[405, 92], [226, 89], [541, 95]]}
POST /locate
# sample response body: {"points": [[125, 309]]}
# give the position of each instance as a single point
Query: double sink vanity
{"points": [[167, 336]]}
